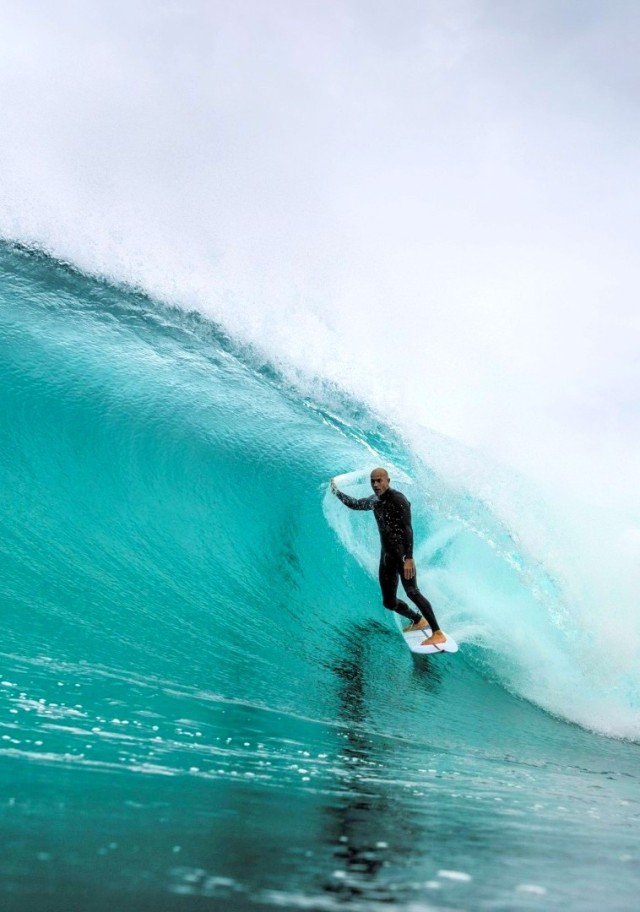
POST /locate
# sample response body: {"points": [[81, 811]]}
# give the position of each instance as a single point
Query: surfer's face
{"points": [[379, 481]]}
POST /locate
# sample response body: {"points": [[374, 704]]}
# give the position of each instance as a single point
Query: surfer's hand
{"points": [[409, 568]]}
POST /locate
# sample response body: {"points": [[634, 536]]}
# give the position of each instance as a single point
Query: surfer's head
{"points": [[380, 481]]}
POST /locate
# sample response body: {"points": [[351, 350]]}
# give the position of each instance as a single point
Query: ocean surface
{"points": [[204, 704]]}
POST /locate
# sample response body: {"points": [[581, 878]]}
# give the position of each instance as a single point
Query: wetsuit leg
{"points": [[411, 588], [388, 575]]}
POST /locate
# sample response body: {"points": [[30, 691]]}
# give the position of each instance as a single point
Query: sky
{"points": [[432, 204]]}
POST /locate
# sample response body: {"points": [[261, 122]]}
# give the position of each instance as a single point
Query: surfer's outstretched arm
{"points": [[354, 503]]}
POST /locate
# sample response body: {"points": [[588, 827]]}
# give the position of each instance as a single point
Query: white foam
{"points": [[460, 876]]}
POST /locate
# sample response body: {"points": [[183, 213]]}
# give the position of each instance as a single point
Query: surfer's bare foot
{"points": [[435, 639], [417, 625]]}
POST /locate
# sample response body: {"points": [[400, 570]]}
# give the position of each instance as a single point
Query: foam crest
{"points": [[359, 193]]}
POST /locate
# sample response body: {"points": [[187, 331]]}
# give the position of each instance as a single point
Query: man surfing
{"points": [[392, 512]]}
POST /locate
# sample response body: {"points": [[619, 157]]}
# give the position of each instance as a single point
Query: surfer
{"points": [[392, 512]]}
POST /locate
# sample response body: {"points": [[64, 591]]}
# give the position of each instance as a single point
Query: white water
{"points": [[433, 205]]}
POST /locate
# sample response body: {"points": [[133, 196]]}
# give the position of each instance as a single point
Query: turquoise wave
{"points": [[203, 695]]}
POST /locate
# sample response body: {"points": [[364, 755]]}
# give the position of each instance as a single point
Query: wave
{"points": [[166, 507]]}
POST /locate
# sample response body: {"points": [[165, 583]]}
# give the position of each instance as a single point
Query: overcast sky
{"points": [[435, 204]]}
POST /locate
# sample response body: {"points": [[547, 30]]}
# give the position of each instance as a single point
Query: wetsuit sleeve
{"points": [[364, 503], [405, 525]]}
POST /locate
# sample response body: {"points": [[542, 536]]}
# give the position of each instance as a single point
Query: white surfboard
{"points": [[416, 637]]}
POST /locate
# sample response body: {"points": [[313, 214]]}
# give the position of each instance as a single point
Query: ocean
{"points": [[205, 705], [247, 247]]}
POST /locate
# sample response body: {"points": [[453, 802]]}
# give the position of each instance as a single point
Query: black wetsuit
{"points": [[392, 511]]}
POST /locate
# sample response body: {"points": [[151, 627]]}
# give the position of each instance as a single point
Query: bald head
{"points": [[380, 481]]}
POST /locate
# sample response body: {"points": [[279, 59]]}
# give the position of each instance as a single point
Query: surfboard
{"points": [[415, 638]]}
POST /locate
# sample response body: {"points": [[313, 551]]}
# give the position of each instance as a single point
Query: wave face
{"points": [[204, 700]]}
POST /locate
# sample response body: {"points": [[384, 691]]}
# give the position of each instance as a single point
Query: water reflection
{"points": [[367, 827], [428, 671]]}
